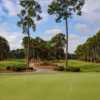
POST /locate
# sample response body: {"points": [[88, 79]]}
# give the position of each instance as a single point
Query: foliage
{"points": [[90, 50], [52, 49], [4, 48], [64, 9], [59, 68], [73, 69], [17, 54], [29, 13]]}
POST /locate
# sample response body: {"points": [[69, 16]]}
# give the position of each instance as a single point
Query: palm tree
{"points": [[63, 9], [30, 11]]}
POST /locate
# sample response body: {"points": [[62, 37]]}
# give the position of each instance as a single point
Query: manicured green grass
{"points": [[50, 86], [12, 63]]}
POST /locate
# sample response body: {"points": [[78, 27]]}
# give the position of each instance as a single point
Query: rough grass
{"points": [[55, 86]]}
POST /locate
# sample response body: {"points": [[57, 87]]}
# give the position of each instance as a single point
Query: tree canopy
{"points": [[90, 50], [4, 48], [64, 9], [52, 49]]}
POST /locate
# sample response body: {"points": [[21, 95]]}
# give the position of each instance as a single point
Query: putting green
{"points": [[50, 86]]}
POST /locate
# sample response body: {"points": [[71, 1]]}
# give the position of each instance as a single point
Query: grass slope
{"points": [[55, 86], [84, 66], [12, 63]]}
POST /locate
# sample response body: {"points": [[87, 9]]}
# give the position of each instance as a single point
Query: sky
{"points": [[80, 27]]}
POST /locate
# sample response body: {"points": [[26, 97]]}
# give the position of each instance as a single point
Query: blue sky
{"points": [[80, 28]]}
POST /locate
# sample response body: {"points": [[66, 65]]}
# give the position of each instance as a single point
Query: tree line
{"points": [[39, 48], [46, 50], [52, 49], [90, 50]]}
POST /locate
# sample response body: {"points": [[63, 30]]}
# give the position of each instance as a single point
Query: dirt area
{"points": [[42, 65]]}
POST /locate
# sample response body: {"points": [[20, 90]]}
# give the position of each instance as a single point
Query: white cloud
{"points": [[14, 38], [74, 41], [53, 31], [84, 29], [10, 6], [48, 34], [91, 11], [44, 5]]}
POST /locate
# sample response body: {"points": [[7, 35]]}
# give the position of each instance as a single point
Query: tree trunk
{"points": [[94, 54], [66, 55], [28, 50]]}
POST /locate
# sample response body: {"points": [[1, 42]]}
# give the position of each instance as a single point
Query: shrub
{"points": [[16, 68], [59, 68], [73, 69], [70, 69], [30, 69], [8, 68], [19, 69]]}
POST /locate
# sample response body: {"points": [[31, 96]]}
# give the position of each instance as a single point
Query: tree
{"points": [[17, 54], [30, 11], [4, 48], [90, 50], [58, 43], [64, 9], [79, 52], [98, 45], [46, 50]]}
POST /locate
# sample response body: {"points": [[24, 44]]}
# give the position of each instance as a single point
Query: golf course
{"points": [[49, 50], [53, 85], [50, 86]]}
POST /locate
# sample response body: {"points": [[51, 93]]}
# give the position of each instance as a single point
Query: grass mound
{"points": [[83, 66]]}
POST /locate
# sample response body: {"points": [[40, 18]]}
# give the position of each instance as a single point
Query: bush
{"points": [[73, 69], [30, 69], [16, 68], [59, 68], [70, 69], [19, 69], [8, 68]]}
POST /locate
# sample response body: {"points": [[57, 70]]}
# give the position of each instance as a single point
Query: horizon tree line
{"points": [[52, 49]]}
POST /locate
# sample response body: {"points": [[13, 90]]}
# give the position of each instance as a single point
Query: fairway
{"points": [[50, 86]]}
